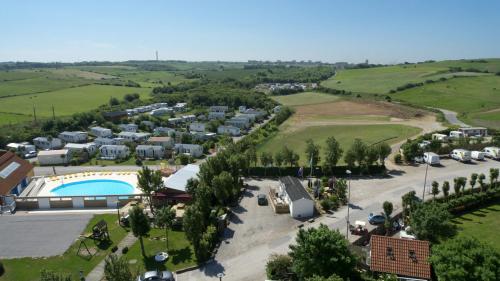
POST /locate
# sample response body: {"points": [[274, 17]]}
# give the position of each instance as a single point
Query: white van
{"points": [[477, 155], [492, 152], [461, 155], [431, 158]]}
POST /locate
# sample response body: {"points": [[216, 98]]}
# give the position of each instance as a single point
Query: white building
{"points": [[242, 123], [193, 150], [90, 147], [53, 157], [150, 151], [165, 142], [188, 118], [112, 152], [74, 137], [474, 131], [229, 130], [103, 141], [164, 131], [101, 132], [456, 134], [197, 127], [23, 147], [47, 143], [214, 115], [128, 127], [179, 179], [295, 195], [136, 137]]}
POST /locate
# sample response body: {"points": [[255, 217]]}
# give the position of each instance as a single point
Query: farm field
{"points": [[66, 101], [305, 98], [345, 134], [12, 118], [481, 224], [471, 97], [381, 80]]}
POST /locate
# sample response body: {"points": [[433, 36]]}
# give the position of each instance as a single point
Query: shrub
{"points": [[124, 250], [2, 269], [398, 159], [279, 267], [138, 162], [326, 204], [114, 249]]}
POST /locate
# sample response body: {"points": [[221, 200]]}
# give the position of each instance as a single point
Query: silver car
{"points": [[156, 276]]}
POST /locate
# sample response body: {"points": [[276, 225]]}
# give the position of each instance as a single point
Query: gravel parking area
{"points": [[39, 235]]}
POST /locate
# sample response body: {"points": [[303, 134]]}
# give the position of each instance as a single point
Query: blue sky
{"points": [[381, 31]]}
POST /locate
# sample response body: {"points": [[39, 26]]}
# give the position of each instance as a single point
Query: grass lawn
{"points": [[305, 98], [482, 224], [28, 269], [12, 118], [67, 101], [181, 254], [345, 134], [42, 83]]}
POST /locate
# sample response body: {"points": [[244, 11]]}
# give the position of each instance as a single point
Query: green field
{"points": [[345, 134], [12, 118], [471, 97], [381, 80], [28, 269], [482, 224], [305, 98], [66, 101]]}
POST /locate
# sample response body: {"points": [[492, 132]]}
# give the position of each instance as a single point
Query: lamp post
{"points": [[348, 172], [220, 275]]}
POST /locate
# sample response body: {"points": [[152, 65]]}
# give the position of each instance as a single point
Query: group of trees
{"points": [[460, 184], [363, 155]]}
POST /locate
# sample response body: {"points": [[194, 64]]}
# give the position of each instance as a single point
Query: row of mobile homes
{"points": [[147, 151], [193, 150], [197, 127], [229, 130], [165, 142], [112, 152], [101, 132], [134, 137], [47, 143], [90, 148], [131, 127], [164, 131], [74, 137]]}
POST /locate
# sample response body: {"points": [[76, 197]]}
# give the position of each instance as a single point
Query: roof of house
{"points": [[148, 146], [159, 139], [12, 171], [179, 180], [294, 188], [53, 152], [73, 133], [399, 256]]}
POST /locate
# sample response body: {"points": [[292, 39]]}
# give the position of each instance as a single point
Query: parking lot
{"points": [[39, 235]]}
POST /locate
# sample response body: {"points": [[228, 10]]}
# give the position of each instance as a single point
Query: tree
{"points": [[333, 152], [164, 218], [149, 181], [388, 208], [473, 180], [117, 269], [193, 224], [278, 158], [456, 186], [462, 181], [372, 155], [113, 101], [323, 252], [446, 189], [139, 223], [384, 150], [223, 187], [350, 158], [279, 267], [435, 189], [481, 179], [465, 258], [251, 155], [265, 159], [411, 149], [431, 222], [312, 153], [333, 277], [358, 150], [47, 275], [289, 156], [493, 177]]}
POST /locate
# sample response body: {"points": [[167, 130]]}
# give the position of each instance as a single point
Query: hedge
{"points": [[469, 200], [317, 171]]}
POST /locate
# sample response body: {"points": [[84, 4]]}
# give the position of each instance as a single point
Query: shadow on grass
{"points": [[464, 219], [181, 255], [478, 214]]}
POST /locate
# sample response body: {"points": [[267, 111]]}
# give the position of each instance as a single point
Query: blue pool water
{"points": [[94, 187]]}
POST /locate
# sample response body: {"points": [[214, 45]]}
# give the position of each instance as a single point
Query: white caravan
{"points": [[492, 152], [461, 155], [431, 158], [477, 155]]}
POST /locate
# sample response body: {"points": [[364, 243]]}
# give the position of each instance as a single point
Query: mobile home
{"points": [[461, 155]]}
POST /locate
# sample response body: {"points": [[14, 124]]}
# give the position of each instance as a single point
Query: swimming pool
{"points": [[93, 187]]}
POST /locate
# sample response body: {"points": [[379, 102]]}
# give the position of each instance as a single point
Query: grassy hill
{"points": [[305, 98], [380, 80]]}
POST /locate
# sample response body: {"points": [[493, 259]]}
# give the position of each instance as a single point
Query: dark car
{"points": [[156, 276], [261, 199], [376, 219]]}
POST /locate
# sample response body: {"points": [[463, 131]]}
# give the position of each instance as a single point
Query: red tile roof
{"points": [[14, 178], [403, 257]]}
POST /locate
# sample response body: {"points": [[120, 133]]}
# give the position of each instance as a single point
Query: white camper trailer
{"points": [[492, 152], [461, 155], [431, 158], [477, 155]]}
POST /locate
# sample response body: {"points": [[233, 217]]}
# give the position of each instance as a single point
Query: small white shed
{"points": [[299, 201]]}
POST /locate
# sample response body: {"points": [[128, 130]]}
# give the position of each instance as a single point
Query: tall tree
{"points": [[333, 153], [446, 189], [473, 180], [312, 153], [388, 208], [435, 189], [117, 269], [149, 181], [194, 224], [359, 150], [465, 258], [164, 218], [139, 223], [456, 186], [384, 150], [431, 222], [264, 160], [481, 179], [279, 159], [350, 158], [493, 177], [323, 252], [224, 187]]}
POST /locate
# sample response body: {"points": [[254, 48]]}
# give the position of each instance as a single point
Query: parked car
{"points": [[156, 276], [30, 154], [461, 155], [376, 219], [261, 199]]}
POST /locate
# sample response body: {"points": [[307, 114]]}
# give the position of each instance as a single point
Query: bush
{"points": [[326, 204], [398, 159], [124, 250], [2, 269], [114, 249], [279, 267], [138, 162]]}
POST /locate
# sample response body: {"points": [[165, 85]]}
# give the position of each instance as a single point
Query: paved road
{"points": [[451, 117], [367, 196], [39, 235]]}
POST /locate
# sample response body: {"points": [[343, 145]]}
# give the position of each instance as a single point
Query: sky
{"points": [[382, 31]]}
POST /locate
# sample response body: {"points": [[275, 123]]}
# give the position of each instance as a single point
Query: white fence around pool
{"points": [[70, 202]]}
